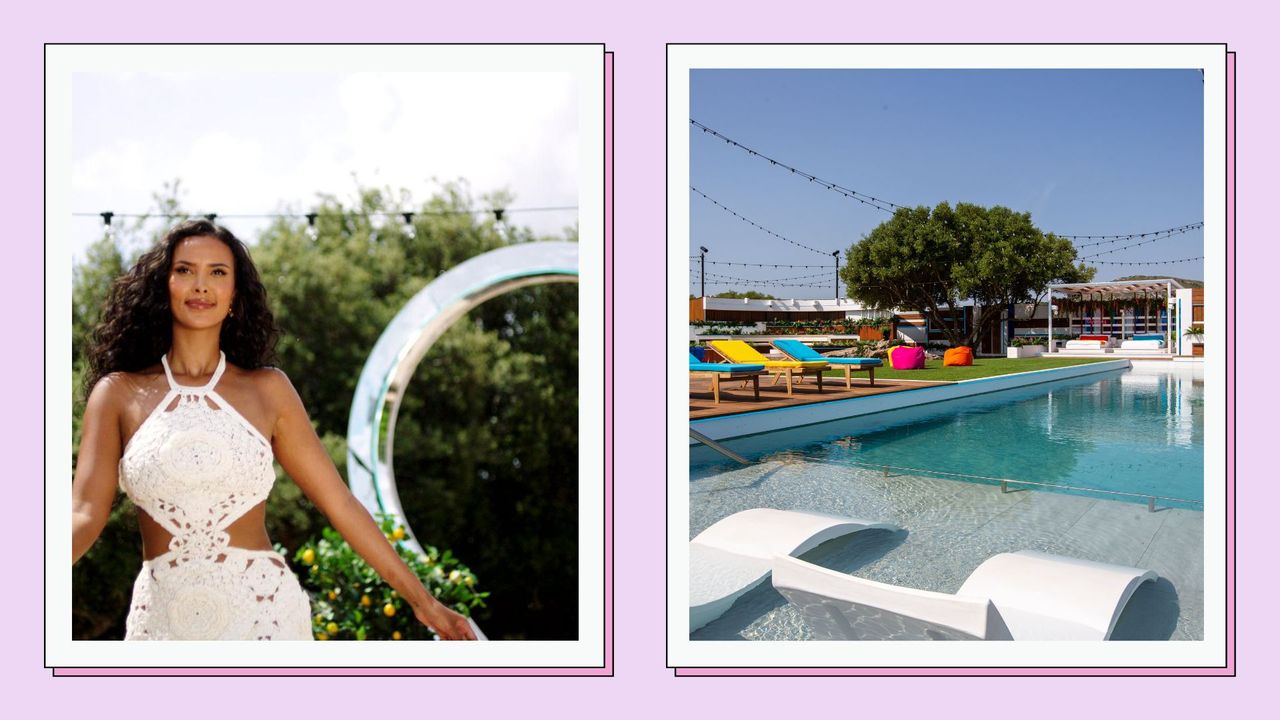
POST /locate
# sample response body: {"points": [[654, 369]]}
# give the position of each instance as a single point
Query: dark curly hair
{"points": [[137, 324]]}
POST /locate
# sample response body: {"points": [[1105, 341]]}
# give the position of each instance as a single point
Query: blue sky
{"points": [[1086, 152]]}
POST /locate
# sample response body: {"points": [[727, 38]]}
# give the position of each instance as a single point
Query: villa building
{"points": [[1118, 309]]}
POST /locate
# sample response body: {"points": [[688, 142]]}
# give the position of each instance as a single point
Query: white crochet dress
{"points": [[195, 466]]}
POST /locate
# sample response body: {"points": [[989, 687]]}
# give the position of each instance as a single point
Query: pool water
{"points": [[1133, 431], [1138, 431]]}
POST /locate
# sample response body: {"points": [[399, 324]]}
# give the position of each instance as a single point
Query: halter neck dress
{"points": [[195, 465]]}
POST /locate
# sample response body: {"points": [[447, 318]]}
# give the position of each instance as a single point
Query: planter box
{"points": [[1026, 351]]}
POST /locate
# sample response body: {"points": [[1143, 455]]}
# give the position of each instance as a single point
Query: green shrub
{"points": [[349, 601], [1028, 340]]}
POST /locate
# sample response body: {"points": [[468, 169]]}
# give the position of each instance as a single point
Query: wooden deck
{"points": [[736, 399]]}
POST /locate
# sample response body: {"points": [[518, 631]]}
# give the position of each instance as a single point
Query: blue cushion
{"points": [[699, 352], [1147, 337], [869, 362], [723, 367], [798, 350]]}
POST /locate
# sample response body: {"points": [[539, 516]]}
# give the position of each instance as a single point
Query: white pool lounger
{"points": [[1024, 595], [735, 554]]}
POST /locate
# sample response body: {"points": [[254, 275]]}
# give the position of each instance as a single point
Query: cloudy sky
{"points": [[248, 143]]}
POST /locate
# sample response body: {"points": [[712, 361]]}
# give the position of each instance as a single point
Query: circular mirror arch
{"points": [[406, 340]]}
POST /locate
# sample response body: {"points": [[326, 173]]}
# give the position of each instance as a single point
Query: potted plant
{"points": [[1023, 347], [1194, 333]]}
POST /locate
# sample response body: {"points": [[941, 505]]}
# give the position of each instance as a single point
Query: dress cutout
{"points": [[195, 465]]}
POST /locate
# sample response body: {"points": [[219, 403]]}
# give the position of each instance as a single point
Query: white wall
{"points": [[1183, 300]]}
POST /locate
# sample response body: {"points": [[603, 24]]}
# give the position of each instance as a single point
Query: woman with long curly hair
{"points": [[185, 413]]}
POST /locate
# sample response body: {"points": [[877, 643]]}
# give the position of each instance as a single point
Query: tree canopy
{"points": [[931, 261]]}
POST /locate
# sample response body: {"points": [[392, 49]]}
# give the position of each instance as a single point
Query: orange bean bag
{"points": [[957, 356]]}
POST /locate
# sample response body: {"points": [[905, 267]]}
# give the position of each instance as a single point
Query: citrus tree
{"points": [[349, 601]]}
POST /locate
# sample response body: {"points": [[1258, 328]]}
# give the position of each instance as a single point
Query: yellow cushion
{"points": [[737, 351]]}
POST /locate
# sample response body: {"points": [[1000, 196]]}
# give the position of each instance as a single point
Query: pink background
{"points": [[637, 34]]}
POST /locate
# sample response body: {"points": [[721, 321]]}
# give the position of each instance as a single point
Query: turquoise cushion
{"points": [[798, 350], [868, 362], [723, 367]]}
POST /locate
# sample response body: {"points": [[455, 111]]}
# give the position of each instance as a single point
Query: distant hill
{"points": [[1185, 282]]}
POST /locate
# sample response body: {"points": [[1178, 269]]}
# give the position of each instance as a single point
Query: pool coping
{"points": [[760, 421]]}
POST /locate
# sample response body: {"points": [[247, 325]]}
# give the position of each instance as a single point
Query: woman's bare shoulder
{"points": [[270, 382], [120, 388]]}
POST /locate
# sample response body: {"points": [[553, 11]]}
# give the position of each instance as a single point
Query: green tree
{"points": [[750, 295], [929, 261]]}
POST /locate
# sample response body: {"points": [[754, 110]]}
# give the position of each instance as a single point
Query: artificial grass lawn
{"points": [[982, 367]]}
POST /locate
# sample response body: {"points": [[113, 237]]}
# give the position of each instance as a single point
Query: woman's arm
{"points": [[303, 457], [97, 467]]}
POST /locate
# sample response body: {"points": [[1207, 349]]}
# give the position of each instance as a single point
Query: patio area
{"points": [[734, 398]]}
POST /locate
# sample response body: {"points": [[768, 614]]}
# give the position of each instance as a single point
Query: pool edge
{"points": [[760, 421]]}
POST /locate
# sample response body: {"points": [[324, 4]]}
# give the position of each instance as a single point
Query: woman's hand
{"points": [[446, 623], [302, 456]]}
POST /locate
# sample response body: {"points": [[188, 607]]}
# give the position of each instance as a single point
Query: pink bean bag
{"points": [[958, 356], [906, 358]]}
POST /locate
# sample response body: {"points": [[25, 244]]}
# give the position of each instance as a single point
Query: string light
{"points": [[498, 213], [1130, 236], [766, 281], [850, 193], [1177, 231], [769, 265], [754, 224], [797, 277], [785, 282], [312, 232], [880, 204], [758, 284], [1151, 262], [110, 231], [408, 225]]}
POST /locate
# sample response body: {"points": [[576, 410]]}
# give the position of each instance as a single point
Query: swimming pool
{"points": [[1138, 431]]}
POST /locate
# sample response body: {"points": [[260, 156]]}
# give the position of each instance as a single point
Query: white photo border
{"points": [[586, 64], [1211, 651]]}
